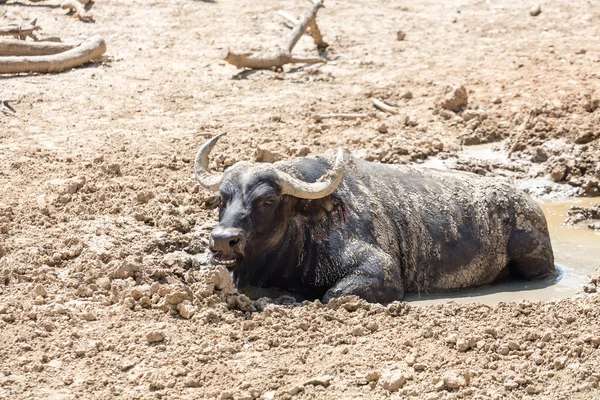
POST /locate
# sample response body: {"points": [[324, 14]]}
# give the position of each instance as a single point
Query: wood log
{"points": [[85, 52], [10, 47]]}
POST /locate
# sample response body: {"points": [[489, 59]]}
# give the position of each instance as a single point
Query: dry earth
{"points": [[102, 229]]}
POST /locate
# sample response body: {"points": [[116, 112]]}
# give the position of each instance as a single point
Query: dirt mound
{"points": [[578, 215]]}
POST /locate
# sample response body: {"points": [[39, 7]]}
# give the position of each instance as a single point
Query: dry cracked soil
{"points": [[104, 288]]}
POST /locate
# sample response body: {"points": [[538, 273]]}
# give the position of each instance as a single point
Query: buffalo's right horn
{"points": [[204, 177]]}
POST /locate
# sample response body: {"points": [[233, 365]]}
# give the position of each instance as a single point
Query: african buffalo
{"points": [[335, 225]]}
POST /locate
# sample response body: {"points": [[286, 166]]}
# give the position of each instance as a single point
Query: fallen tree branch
{"points": [[21, 32], [78, 8], [312, 31], [320, 117], [284, 56], [383, 107], [10, 47], [520, 133], [265, 61], [85, 52]]}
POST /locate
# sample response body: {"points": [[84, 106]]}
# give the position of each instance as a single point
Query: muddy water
{"points": [[576, 252]]}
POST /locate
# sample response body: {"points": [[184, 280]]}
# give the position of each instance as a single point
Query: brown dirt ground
{"points": [[102, 227]]}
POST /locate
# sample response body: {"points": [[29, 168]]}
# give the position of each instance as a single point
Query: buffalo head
{"points": [[257, 203]]}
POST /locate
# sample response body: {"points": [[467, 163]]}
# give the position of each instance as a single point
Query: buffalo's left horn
{"points": [[204, 177], [324, 186]]}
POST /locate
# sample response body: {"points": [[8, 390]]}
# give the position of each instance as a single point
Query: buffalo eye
{"points": [[269, 201], [213, 202]]}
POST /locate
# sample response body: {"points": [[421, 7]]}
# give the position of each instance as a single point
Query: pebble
{"points": [[155, 337], [382, 128], [509, 384], [40, 290], [419, 367], [535, 10], [451, 338], [454, 380], [462, 345], [532, 390], [103, 282], [455, 99], [392, 380], [88, 316], [503, 350], [187, 311], [512, 345], [400, 35], [372, 376], [319, 381]]}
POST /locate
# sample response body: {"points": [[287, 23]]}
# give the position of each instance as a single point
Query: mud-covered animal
{"points": [[336, 225]]}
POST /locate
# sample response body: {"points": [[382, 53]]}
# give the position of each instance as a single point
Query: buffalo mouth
{"points": [[229, 261]]}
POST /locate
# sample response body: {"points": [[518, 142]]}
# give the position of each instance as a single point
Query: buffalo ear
{"points": [[330, 210]]}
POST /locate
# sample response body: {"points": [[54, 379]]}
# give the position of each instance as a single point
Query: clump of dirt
{"points": [[591, 215], [565, 140]]}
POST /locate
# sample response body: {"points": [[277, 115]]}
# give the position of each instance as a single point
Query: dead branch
{"points": [[301, 27], [284, 56], [85, 52], [513, 148], [78, 8], [9, 47], [312, 31], [265, 61], [320, 117], [21, 32], [383, 107]]}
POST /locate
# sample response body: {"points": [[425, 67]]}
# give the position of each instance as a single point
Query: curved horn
{"points": [[324, 186], [204, 177]]}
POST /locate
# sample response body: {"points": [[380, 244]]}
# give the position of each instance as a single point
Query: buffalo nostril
{"points": [[233, 242]]}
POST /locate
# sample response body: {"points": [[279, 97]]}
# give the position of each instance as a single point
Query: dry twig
{"points": [[10, 47], [21, 32], [521, 131], [320, 117], [284, 56], [313, 28], [78, 7], [85, 52], [383, 107]]}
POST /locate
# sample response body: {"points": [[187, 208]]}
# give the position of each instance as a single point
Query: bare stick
{"points": [[383, 107], [85, 52], [301, 27], [313, 31], [289, 17], [20, 32], [10, 47], [79, 9], [320, 117], [521, 131]]}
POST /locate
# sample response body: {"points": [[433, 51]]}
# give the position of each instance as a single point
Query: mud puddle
{"points": [[576, 249]]}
